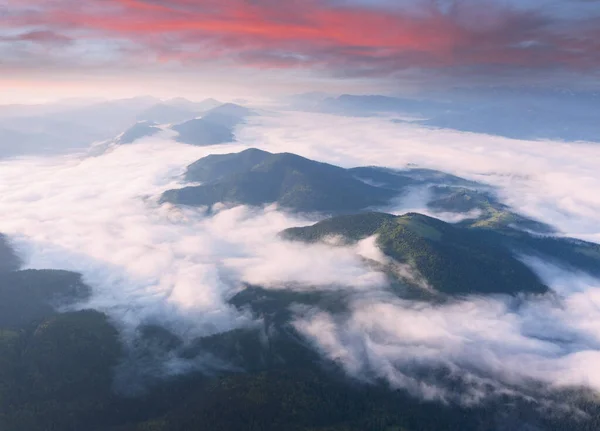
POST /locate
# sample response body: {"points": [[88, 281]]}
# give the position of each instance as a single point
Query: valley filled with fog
{"points": [[107, 204]]}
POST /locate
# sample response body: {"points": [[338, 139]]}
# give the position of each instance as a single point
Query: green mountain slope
{"points": [[57, 370], [32, 295], [218, 166], [255, 177], [57, 375], [450, 259], [569, 253], [492, 213]]}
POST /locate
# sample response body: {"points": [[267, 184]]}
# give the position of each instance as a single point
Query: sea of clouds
{"points": [[149, 263]]}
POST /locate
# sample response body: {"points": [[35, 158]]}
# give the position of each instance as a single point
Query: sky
{"points": [[55, 48]]}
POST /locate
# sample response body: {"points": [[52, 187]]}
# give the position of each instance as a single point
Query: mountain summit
{"points": [[256, 177]]}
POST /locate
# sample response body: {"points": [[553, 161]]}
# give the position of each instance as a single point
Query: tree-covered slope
{"points": [[279, 382], [485, 209], [498, 224], [57, 370], [218, 166], [31, 295], [450, 259], [253, 177], [57, 375]]}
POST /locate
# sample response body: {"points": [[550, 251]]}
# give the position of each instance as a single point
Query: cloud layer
{"points": [[147, 263], [498, 344], [176, 267], [356, 38]]}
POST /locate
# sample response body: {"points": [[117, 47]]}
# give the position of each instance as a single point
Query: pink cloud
{"points": [[293, 33]]}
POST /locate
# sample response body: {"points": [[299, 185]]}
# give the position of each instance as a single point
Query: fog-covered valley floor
{"points": [[156, 263]]}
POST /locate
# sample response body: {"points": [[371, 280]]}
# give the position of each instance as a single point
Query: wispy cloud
{"points": [[344, 38]]}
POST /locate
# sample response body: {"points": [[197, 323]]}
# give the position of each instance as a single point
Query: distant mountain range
{"points": [[514, 113], [61, 128], [139, 130], [214, 126]]}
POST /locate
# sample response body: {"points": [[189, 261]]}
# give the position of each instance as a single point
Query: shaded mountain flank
{"points": [[450, 259], [256, 177], [58, 370]]}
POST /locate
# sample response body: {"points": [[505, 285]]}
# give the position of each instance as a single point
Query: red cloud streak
{"points": [[292, 33]]}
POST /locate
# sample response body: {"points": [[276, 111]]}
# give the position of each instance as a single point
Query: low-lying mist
{"points": [[99, 216], [177, 267]]}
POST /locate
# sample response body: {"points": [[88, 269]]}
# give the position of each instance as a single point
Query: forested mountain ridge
{"points": [[451, 259], [255, 177]]}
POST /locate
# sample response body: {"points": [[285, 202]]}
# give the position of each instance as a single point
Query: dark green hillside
{"points": [[497, 224], [295, 183], [58, 375], [303, 399], [256, 177], [58, 371], [568, 253], [308, 399], [273, 304], [286, 386], [451, 259], [31, 295], [352, 227], [492, 213], [218, 166], [458, 199]]}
